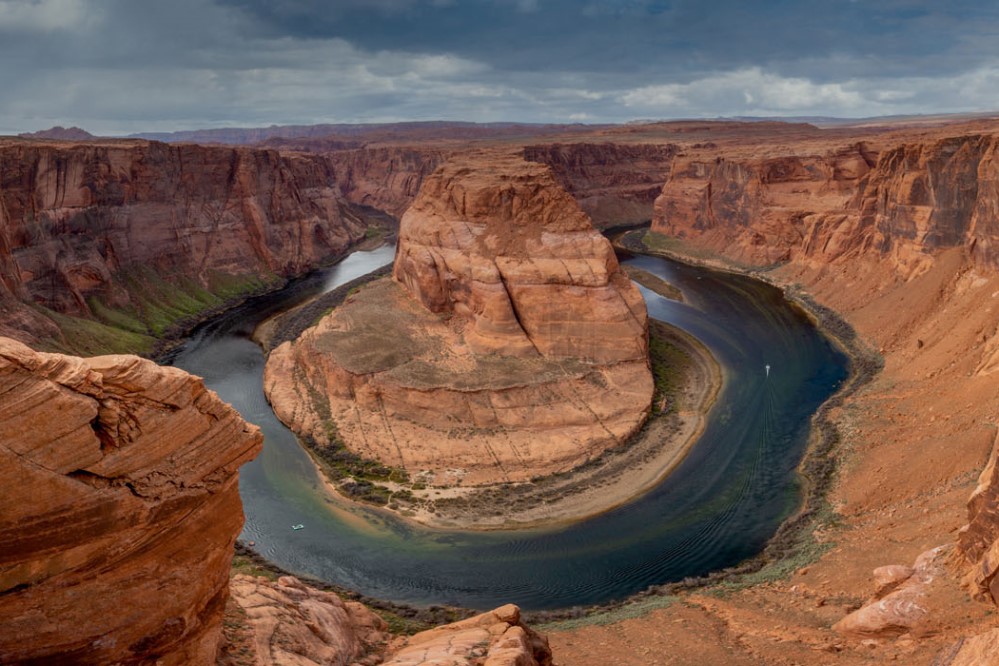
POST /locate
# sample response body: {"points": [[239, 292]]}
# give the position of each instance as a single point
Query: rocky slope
{"points": [[134, 235], [119, 512], [285, 622], [510, 346]]}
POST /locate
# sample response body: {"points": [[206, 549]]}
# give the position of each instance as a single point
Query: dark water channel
{"points": [[719, 507]]}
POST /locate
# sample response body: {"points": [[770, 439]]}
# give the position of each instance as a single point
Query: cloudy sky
{"points": [[119, 66]]}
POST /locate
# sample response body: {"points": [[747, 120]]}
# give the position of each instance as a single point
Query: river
{"points": [[721, 505]]}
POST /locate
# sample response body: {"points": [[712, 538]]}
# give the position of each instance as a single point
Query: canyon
{"points": [[892, 226], [105, 245]]}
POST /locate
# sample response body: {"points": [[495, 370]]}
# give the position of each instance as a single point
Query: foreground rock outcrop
{"points": [[978, 542], [496, 638], [132, 235], [511, 345], [285, 622], [119, 512]]}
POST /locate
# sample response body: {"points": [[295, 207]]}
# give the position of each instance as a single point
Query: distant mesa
{"points": [[60, 133], [509, 345]]}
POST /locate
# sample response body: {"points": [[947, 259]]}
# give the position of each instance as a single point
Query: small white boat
{"points": [[297, 527], [768, 369]]}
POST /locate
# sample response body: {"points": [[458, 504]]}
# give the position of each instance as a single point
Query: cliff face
{"points": [[903, 247], [93, 230], [119, 512], [386, 178], [511, 345], [978, 541], [903, 203], [760, 210], [614, 183]]}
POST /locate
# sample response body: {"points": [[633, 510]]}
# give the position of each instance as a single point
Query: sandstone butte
{"points": [[510, 344]]}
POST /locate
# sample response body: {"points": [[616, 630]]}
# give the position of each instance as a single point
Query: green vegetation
{"points": [[251, 566], [401, 625], [155, 309], [601, 616], [669, 368], [357, 477], [87, 337]]}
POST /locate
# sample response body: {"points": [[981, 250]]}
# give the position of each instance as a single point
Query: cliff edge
{"points": [[120, 509]]}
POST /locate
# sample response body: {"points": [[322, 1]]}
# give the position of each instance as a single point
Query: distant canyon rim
{"points": [[112, 246]]}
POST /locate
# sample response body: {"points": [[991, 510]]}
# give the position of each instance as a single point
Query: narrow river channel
{"points": [[720, 506]]}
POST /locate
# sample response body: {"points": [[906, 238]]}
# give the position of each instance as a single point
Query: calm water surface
{"points": [[719, 507]]}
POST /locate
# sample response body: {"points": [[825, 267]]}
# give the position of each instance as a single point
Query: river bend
{"points": [[721, 505]]}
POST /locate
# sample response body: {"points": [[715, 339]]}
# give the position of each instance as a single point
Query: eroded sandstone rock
{"points": [[900, 601], [119, 512], [496, 638], [978, 541], [511, 345], [292, 623]]}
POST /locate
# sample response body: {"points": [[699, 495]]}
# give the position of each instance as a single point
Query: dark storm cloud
{"points": [[130, 65], [680, 37]]}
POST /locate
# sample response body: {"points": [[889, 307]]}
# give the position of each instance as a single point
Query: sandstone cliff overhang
{"points": [[119, 512]]}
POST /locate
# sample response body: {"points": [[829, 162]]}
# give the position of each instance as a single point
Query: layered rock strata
{"points": [[287, 622], [978, 541], [510, 345], [903, 202], [93, 229], [385, 177], [614, 183], [762, 210], [119, 512]]}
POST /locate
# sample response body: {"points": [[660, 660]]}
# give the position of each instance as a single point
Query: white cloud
{"points": [[745, 91]]}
